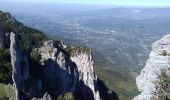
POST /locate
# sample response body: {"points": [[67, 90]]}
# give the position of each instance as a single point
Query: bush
{"points": [[162, 86], [67, 96], [35, 56], [7, 92], [164, 53]]}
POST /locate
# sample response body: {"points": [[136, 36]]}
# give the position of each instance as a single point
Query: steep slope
{"points": [[65, 73], [46, 69], [26, 86], [153, 82]]}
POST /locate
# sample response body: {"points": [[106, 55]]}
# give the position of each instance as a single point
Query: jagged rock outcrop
{"points": [[149, 79], [86, 70], [67, 73], [2, 38], [62, 72], [26, 86], [19, 62]]}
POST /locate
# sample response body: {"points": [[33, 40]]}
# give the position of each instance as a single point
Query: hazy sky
{"points": [[111, 2]]}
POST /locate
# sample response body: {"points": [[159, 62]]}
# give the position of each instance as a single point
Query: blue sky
{"points": [[107, 2]]}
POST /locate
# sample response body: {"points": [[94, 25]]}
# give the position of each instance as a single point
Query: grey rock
{"points": [[156, 62], [19, 62], [86, 71], [26, 86], [58, 69], [65, 74], [60, 72]]}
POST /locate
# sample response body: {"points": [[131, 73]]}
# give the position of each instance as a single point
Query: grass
{"points": [[73, 51], [162, 86], [7, 92], [119, 80]]}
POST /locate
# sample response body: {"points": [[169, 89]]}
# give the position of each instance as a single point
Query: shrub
{"points": [[35, 55], [162, 86], [164, 53], [7, 92], [67, 96]]}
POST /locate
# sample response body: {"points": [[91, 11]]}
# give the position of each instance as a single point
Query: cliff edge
{"points": [[154, 81]]}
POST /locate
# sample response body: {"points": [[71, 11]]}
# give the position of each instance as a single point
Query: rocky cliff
{"points": [[69, 71], [45, 69], [86, 73], [26, 86], [153, 82], [60, 73]]}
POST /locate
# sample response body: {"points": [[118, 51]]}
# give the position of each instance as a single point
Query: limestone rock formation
{"points": [[26, 87], [61, 73], [159, 59], [74, 74], [86, 70]]}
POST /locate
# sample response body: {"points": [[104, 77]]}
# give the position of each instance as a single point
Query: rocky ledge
{"points": [[153, 82]]}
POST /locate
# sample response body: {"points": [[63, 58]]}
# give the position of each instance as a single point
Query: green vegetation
{"points": [[67, 96], [5, 66], [35, 55], [77, 50], [118, 80], [29, 38], [35, 64], [162, 86], [164, 53], [6, 92]]}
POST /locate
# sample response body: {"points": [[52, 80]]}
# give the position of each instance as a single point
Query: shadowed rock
{"points": [[2, 38]]}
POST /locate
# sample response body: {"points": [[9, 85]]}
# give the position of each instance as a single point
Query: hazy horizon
{"points": [[27, 6], [140, 3], [156, 3]]}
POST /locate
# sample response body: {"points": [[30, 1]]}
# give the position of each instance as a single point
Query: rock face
{"points": [[20, 66], [26, 86], [86, 71], [60, 72], [67, 73], [159, 60], [2, 38]]}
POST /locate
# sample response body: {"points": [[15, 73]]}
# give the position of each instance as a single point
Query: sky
{"points": [[106, 2]]}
